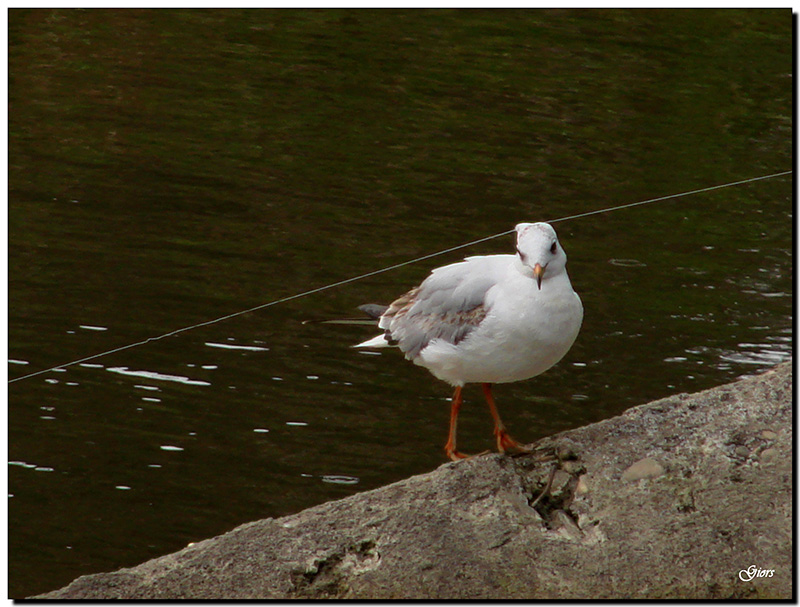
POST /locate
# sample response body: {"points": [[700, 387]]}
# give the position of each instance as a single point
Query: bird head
{"points": [[539, 251]]}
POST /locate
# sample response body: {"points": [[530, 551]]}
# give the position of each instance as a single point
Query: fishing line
{"points": [[387, 269]]}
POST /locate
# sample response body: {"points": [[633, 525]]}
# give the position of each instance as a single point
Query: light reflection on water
{"points": [[627, 263], [237, 347], [160, 376], [758, 354], [340, 479]]}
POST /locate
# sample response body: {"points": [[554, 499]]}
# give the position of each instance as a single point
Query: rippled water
{"points": [[207, 162]]}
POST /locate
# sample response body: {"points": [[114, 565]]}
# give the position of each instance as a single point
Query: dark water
{"points": [[170, 167]]}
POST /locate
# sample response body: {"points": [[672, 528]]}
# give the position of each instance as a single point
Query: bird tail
{"points": [[341, 321], [374, 312], [378, 341]]}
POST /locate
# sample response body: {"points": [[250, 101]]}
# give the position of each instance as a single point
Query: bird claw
{"points": [[457, 456], [506, 443]]}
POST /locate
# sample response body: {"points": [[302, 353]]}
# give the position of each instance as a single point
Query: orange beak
{"points": [[538, 272]]}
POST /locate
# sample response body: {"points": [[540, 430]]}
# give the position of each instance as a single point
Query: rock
{"points": [[707, 523], [644, 468], [768, 455]]}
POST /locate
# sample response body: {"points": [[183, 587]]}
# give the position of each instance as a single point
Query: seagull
{"points": [[489, 319]]}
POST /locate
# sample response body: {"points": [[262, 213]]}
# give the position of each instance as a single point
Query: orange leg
{"points": [[504, 440], [450, 447]]}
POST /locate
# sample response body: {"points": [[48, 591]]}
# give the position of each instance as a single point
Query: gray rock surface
{"points": [[669, 500]]}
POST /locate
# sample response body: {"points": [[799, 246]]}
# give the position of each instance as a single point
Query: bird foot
{"points": [[457, 456], [506, 443]]}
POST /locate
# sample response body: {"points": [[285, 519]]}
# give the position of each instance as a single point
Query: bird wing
{"points": [[448, 305]]}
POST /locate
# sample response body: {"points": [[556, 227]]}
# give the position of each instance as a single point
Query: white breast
{"points": [[526, 331]]}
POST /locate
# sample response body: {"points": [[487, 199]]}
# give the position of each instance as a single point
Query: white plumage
{"points": [[488, 319]]}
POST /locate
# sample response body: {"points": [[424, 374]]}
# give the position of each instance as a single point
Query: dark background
{"points": [[167, 167]]}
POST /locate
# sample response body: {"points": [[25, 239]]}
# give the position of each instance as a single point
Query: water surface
{"points": [[171, 167]]}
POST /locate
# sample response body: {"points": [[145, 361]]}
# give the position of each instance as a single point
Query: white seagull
{"points": [[488, 319]]}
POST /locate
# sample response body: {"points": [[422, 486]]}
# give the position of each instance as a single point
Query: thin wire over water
{"points": [[388, 269]]}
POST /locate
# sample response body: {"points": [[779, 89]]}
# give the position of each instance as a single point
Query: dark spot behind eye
{"points": [[554, 247], [522, 255]]}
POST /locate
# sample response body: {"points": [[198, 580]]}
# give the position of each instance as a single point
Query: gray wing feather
{"points": [[448, 305]]}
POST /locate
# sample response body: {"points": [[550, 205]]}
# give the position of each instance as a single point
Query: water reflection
{"points": [[340, 479], [34, 467], [296, 148], [757, 354], [237, 347], [627, 263], [162, 376]]}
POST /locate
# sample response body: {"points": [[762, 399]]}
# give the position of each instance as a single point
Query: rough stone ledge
{"points": [[669, 500]]}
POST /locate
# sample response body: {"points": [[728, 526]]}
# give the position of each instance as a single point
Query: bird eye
{"points": [[553, 247]]}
